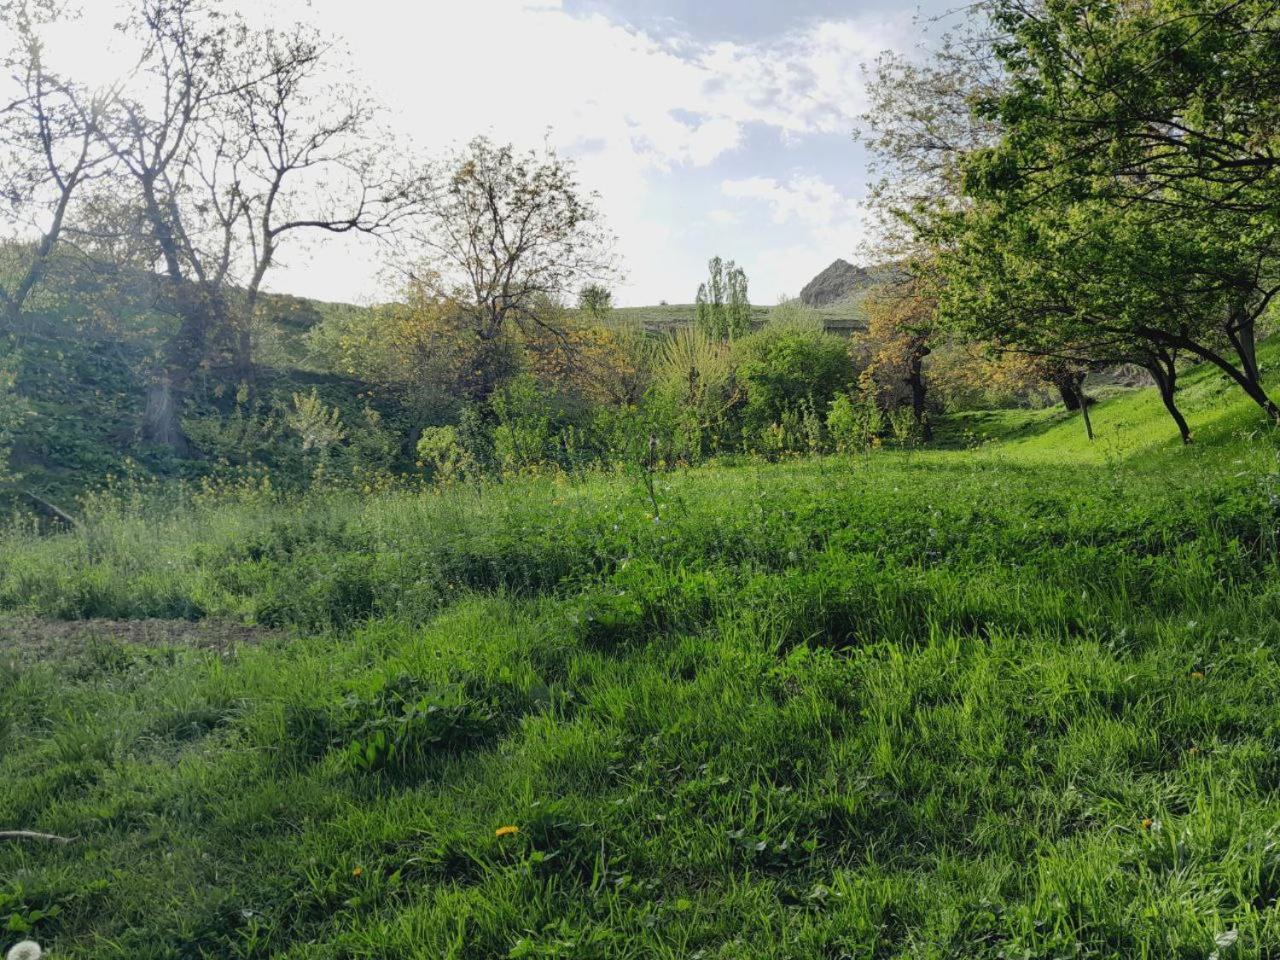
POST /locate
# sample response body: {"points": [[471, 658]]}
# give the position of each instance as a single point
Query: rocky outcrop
{"points": [[838, 282]]}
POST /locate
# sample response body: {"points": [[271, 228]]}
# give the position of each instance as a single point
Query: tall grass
{"points": [[1017, 701]]}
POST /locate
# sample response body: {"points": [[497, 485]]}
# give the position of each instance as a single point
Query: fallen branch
{"points": [[51, 510], [34, 835]]}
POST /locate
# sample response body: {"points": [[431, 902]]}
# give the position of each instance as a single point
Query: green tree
{"points": [[1173, 103], [508, 238], [722, 306], [1133, 184], [596, 300], [49, 149]]}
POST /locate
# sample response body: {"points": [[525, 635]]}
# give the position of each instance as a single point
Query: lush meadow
{"points": [[1014, 699]]}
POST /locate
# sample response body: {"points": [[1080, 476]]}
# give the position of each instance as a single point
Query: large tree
{"points": [[1137, 154], [722, 308], [232, 140], [1080, 284]]}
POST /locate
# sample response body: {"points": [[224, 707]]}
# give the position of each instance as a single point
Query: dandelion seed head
{"points": [[26, 950]]}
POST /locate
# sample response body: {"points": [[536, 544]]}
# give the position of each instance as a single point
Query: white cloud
{"points": [[724, 217], [805, 197]]}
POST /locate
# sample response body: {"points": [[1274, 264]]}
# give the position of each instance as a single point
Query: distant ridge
{"points": [[838, 282]]}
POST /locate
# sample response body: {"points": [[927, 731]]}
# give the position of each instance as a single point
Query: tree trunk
{"points": [[1165, 373], [244, 370], [1250, 384], [1070, 386], [1073, 385], [161, 421], [919, 390], [1070, 396], [201, 311], [1247, 379]]}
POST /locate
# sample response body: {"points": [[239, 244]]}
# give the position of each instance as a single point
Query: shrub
{"points": [[440, 449], [784, 367], [854, 421]]}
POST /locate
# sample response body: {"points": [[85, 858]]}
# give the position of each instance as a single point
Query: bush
{"points": [[439, 448], [854, 421], [782, 368]]}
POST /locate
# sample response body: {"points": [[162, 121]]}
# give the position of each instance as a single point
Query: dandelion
{"points": [[1197, 674], [358, 871], [26, 950], [1147, 823], [506, 831]]}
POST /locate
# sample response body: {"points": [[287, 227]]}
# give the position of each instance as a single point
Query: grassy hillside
{"points": [[1012, 699], [843, 317], [82, 371]]}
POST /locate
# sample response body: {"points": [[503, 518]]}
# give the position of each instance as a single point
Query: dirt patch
{"points": [[32, 639]]}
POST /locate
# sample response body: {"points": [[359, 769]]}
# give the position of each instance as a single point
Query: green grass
{"points": [[1020, 700]]}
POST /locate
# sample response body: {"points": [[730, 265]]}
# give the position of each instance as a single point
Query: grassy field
{"points": [[843, 317], [1017, 698]]}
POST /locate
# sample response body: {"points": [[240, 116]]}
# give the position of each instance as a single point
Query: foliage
{"points": [[508, 237], [696, 391], [900, 330], [12, 411], [795, 313], [319, 427], [248, 434], [441, 450], [722, 308], [422, 351], [855, 421], [596, 300], [594, 362], [1066, 247], [784, 369], [523, 432]]}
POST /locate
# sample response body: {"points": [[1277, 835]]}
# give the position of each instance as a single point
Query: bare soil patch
{"points": [[34, 639]]}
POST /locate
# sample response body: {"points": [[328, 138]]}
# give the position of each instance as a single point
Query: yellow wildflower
{"points": [[505, 831]]}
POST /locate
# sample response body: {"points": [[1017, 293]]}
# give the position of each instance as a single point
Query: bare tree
{"points": [[316, 162], [233, 140], [508, 236], [49, 147]]}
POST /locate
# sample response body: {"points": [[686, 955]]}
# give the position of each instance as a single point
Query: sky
{"points": [[707, 127]]}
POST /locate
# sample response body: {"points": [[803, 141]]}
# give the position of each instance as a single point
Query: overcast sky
{"points": [[707, 126]]}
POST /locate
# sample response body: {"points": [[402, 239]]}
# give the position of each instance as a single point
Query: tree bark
{"points": [[1165, 373], [1085, 403], [200, 311], [1247, 379], [919, 390], [1070, 386]]}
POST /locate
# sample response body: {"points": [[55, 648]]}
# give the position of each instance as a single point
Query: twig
{"points": [[34, 835]]}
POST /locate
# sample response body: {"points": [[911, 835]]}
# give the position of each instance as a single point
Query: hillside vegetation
{"points": [[844, 316], [1015, 699]]}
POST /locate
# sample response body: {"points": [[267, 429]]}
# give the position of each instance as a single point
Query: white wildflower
{"points": [[26, 950]]}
